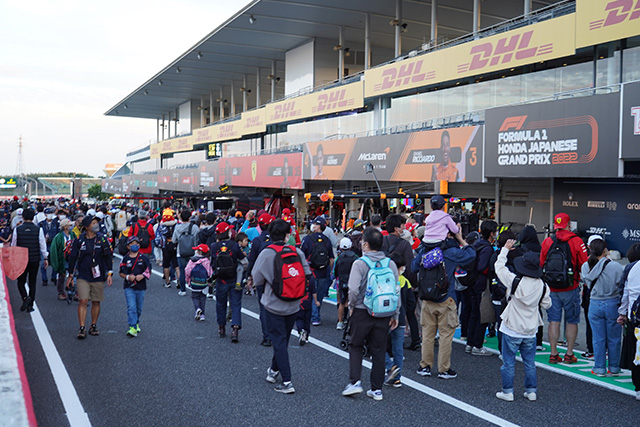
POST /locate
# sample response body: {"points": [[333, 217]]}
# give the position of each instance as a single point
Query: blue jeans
{"points": [[603, 315], [527, 347], [135, 300], [226, 291], [322, 287], [280, 331], [182, 264], [43, 271], [397, 341], [263, 315]]}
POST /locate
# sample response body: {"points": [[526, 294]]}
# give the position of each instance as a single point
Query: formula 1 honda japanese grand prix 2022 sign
{"points": [[569, 138]]}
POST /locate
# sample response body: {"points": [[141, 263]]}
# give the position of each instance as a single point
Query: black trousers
{"points": [[373, 330], [628, 353], [411, 315], [32, 273], [475, 337]]}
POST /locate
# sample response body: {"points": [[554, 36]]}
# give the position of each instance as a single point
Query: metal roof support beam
{"points": [[476, 17], [434, 21], [233, 100], [527, 7], [175, 124], [221, 104], [340, 53], [367, 42], [273, 81], [210, 106], [202, 111], [162, 128], [157, 130], [257, 87], [244, 93], [398, 37]]}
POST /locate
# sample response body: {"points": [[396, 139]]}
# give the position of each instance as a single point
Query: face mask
{"points": [[50, 216], [61, 217], [134, 248], [95, 228]]}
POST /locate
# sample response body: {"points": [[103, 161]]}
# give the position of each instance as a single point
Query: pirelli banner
{"points": [[543, 41], [600, 21], [453, 155], [568, 138], [334, 100]]}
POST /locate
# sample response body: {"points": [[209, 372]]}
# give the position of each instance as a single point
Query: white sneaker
{"points": [[375, 395], [531, 396], [198, 315], [480, 352], [505, 396], [637, 395], [467, 348], [272, 376], [352, 389], [340, 326], [182, 293]]}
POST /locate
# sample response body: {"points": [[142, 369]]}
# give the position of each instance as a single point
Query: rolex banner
{"points": [[568, 138]]}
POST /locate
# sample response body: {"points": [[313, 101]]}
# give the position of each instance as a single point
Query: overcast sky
{"points": [[63, 63]]}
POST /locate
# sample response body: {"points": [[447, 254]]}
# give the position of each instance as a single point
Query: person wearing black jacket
{"points": [[484, 250], [395, 244], [529, 242], [91, 258], [30, 236]]}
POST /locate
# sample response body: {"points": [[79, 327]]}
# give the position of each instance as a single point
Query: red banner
{"points": [[271, 171]]}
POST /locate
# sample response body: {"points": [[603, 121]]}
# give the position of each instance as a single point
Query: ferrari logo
{"points": [[254, 170]]}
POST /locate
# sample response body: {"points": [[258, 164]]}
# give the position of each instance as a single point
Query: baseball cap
{"points": [[86, 221], [594, 237], [358, 223], [202, 247], [133, 239], [286, 212], [411, 227], [345, 243], [99, 215], [320, 221], [437, 202], [65, 222], [222, 227], [561, 221], [265, 219]]}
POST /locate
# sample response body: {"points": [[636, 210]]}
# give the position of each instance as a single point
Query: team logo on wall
{"points": [[254, 170]]}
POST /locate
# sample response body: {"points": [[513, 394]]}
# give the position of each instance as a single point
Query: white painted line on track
{"points": [[72, 405], [406, 381]]}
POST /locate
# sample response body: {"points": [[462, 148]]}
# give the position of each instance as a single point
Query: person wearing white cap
{"points": [[58, 245], [585, 305], [341, 271]]}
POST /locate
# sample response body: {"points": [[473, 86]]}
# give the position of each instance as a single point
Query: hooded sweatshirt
{"points": [[631, 289], [606, 287], [578, 255], [195, 260], [182, 229], [521, 318], [438, 225], [528, 238], [358, 280]]}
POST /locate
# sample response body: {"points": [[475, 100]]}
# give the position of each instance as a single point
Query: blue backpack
{"points": [[199, 278], [383, 290]]}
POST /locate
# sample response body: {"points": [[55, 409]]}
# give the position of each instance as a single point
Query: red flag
{"points": [[14, 261]]}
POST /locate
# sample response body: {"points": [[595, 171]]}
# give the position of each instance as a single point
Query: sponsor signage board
{"points": [[174, 145], [631, 121], [573, 137], [8, 182], [543, 41], [112, 186], [254, 121], [145, 184], [342, 98], [609, 208], [447, 155], [184, 180], [269, 171], [208, 175], [600, 21]]}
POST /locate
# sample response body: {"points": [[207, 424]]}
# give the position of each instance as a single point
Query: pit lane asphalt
{"points": [[178, 372]]}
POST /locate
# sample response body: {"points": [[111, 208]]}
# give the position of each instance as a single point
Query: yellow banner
{"points": [[154, 151], [328, 101], [600, 21], [538, 42], [227, 131], [174, 145], [254, 121]]}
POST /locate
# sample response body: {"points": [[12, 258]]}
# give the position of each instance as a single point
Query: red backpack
{"points": [[289, 280]]}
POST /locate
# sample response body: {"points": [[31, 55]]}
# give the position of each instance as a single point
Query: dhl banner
{"points": [[175, 145], [334, 100], [600, 21], [545, 40], [254, 121], [446, 155], [270, 171], [566, 138]]}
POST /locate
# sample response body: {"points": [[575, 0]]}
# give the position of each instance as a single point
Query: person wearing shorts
{"points": [[91, 258]]}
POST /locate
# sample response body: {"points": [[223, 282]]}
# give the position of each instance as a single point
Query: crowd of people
{"points": [[411, 275]]}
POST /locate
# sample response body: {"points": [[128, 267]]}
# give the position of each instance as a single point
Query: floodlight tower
{"points": [[20, 163]]}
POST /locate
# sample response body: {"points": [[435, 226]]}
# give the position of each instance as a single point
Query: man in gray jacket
{"points": [[185, 230], [280, 315], [364, 327]]}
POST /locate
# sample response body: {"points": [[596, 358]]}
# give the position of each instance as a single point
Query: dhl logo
{"points": [[619, 11], [202, 135], [183, 144], [514, 123], [403, 75], [227, 131], [285, 110], [504, 51], [166, 146], [155, 149], [253, 122], [332, 101]]}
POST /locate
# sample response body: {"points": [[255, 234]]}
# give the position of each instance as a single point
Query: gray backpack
{"points": [[186, 243]]}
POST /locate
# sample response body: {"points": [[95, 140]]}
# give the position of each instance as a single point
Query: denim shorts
{"points": [[570, 302]]}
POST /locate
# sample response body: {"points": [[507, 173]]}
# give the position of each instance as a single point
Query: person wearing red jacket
{"points": [[286, 215], [137, 227], [568, 298]]}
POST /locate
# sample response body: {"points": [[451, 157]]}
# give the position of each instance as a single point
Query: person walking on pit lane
{"points": [[198, 274], [257, 246], [521, 318], [135, 269], [629, 319], [29, 235], [91, 257], [319, 253], [225, 254], [184, 236], [569, 249], [280, 314], [57, 255]]}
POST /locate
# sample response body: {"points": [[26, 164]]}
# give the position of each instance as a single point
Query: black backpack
{"points": [[469, 279], [343, 267], [122, 245], [557, 271], [143, 235], [225, 266], [433, 284], [319, 258]]}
